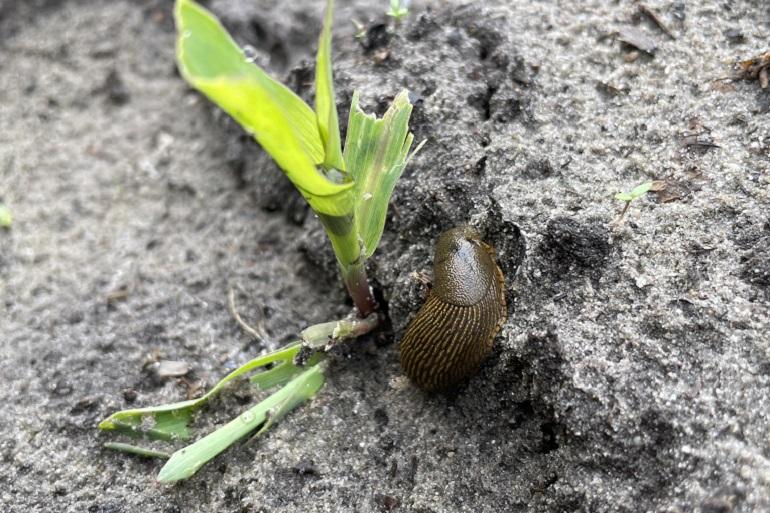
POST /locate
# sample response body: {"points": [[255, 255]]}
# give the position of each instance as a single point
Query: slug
{"points": [[454, 329]]}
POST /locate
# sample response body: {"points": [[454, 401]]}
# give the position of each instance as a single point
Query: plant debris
{"points": [[638, 39], [670, 190], [612, 90], [120, 293], [699, 139], [170, 368], [756, 68], [653, 16]]}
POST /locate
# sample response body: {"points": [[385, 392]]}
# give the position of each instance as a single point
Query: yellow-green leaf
{"points": [[376, 151], [284, 125], [6, 218], [641, 190], [623, 196], [325, 104]]}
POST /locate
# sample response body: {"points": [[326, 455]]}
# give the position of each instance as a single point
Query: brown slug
{"points": [[455, 328]]}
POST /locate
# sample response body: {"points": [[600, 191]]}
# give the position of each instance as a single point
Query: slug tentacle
{"points": [[455, 329]]}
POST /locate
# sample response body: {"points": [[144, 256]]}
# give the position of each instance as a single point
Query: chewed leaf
{"points": [[282, 123], [171, 421], [186, 462], [376, 151], [325, 103]]}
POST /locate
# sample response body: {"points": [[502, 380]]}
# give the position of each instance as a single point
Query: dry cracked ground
{"points": [[633, 371]]}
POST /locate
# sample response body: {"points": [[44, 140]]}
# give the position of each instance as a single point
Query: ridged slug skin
{"points": [[455, 328]]}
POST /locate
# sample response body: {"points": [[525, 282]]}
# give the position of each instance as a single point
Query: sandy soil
{"points": [[632, 375]]}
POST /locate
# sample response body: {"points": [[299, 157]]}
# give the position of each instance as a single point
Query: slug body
{"points": [[455, 328]]}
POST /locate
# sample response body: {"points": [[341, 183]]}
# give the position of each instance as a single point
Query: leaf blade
{"points": [[325, 103], [623, 196], [282, 123], [170, 421], [377, 152], [641, 190], [186, 462], [139, 451]]}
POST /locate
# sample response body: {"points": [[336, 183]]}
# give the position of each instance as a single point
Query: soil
{"points": [[633, 373]]}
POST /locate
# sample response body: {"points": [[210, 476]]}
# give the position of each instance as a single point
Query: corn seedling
{"points": [[349, 191]]}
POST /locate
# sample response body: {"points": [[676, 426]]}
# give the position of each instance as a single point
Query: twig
{"points": [[652, 15], [258, 333]]}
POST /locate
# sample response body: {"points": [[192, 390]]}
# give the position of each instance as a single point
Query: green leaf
{"points": [[636, 192], [139, 451], [282, 123], [6, 218], [185, 462], [641, 190], [171, 421], [325, 103], [623, 196], [397, 10], [376, 151]]}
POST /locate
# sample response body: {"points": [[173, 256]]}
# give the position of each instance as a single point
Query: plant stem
{"points": [[359, 289], [344, 236], [321, 336]]}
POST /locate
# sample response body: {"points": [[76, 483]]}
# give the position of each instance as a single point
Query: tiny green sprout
{"points": [[360, 29], [348, 190], [399, 9], [636, 192], [6, 218], [632, 195]]}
